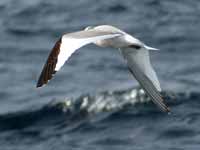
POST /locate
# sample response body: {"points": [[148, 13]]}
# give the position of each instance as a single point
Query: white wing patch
{"points": [[70, 45], [67, 47]]}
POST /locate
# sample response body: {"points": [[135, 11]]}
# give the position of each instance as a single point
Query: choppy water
{"points": [[91, 102]]}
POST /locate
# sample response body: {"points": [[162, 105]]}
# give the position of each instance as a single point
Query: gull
{"points": [[135, 53]]}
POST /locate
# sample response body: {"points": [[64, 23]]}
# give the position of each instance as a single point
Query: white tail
{"points": [[150, 48]]}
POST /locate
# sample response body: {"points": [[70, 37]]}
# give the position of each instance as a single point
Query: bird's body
{"points": [[135, 52], [123, 41]]}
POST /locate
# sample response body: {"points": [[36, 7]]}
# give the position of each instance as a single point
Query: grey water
{"points": [[94, 102]]}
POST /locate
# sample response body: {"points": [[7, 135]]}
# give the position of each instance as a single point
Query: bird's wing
{"points": [[64, 48], [139, 65]]}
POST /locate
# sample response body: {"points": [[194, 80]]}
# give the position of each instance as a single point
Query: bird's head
{"points": [[89, 28]]}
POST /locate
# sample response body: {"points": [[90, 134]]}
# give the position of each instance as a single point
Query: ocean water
{"points": [[94, 103]]}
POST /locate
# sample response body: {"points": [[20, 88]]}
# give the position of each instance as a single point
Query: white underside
{"points": [[141, 58]]}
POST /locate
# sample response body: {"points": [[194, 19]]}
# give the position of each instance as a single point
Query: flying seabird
{"points": [[135, 52]]}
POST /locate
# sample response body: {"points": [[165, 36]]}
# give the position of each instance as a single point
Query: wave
{"points": [[102, 106]]}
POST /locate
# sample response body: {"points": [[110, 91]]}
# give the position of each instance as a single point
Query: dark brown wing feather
{"points": [[50, 65]]}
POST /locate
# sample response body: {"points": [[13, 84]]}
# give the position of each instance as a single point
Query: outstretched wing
{"points": [[139, 65], [64, 48], [49, 68]]}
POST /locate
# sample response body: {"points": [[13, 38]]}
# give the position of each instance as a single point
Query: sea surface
{"points": [[94, 103]]}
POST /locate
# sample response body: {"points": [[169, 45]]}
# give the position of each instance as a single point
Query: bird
{"points": [[134, 51]]}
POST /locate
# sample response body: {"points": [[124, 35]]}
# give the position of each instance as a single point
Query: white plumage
{"points": [[135, 52]]}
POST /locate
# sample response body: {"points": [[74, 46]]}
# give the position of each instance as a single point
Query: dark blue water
{"points": [[92, 103]]}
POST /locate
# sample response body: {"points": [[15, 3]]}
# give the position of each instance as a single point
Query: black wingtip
{"points": [[165, 109], [40, 82], [49, 68], [38, 85], [168, 110], [162, 106]]}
